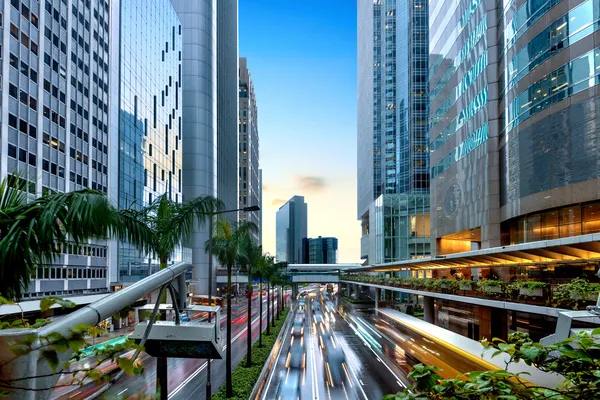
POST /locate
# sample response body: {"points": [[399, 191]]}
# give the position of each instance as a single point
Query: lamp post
{"points": [[210, 268]]}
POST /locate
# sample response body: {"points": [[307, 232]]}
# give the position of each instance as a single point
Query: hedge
{"points": [[244, 378]]}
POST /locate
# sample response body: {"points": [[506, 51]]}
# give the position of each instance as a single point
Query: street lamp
{"points": [[210, 268]]}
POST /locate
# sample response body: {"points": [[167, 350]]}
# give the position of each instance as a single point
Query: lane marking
{"points": [[122, 391], [204, 365]]}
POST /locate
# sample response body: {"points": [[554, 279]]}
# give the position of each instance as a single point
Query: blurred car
{"points": [[289, 388], [298, 326], [296, 355], [316, 306], [334, 366], [301, 303], [318, 317], [184, 317]]}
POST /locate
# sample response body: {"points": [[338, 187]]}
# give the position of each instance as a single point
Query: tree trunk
{"points": [[260, 317], [273, 307], [249, 332], [163, 264], [268, 310], [278, 306], [229, 387]]}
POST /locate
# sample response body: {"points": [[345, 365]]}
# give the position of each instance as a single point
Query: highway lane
{"points": [[407, 348], [363, 373], [179, 369]]}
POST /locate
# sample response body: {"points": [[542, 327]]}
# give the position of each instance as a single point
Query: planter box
{"points": [[466, 286], [590, 297], [537, 292], [494, 289]]}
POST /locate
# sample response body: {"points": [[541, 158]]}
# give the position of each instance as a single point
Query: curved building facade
{"points": [[514, 122]]}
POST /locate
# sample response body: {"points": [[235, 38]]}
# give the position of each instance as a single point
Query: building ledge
{"points": [[506, 305]]}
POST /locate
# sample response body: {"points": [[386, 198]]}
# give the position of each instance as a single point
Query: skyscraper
{"points": [[514, 141], [249, 175], [290, 231], [321, 250], [199, 119], [55, 120], [210, 114], [227, 105], [393, 160], [149, 117]]}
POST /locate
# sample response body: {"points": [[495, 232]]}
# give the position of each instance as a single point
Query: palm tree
{"points": [[280, 279], [33, 231], [265, 270], [249, 255], [260, 267], [226, 241]]}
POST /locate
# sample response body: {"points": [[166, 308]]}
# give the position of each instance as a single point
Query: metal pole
{"points": [[161, 382], [210, 232]]}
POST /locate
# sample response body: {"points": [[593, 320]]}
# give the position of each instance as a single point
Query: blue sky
{"points": [[302, 58]]}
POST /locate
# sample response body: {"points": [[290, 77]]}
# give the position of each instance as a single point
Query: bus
{"points": [[202, 300]]}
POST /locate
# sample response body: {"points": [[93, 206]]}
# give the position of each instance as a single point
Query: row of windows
{"points": [[566, 30], [462, 86], [573, 77], [23, 67], [474, 38], [463, 117], [69, 273], [526, 16], [25, 12], [22, 125], [37, 295], [471, 143], [24, 155], [25, 40], [23, 97]]}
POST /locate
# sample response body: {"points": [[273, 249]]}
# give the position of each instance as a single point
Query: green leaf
{"points": [[51, 358], [126, 365]]}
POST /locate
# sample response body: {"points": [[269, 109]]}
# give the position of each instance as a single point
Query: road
{"points": [[187, 377], [362, 375]]}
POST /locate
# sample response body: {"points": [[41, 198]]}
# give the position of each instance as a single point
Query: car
{"points": [[298, 326], [334, 366], [184, 318], [289, 388], [296, 355]]}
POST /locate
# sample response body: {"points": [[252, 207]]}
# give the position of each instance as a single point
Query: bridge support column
{"points": [[429, 309], [377, 297], [356, 291], [294, 291]]}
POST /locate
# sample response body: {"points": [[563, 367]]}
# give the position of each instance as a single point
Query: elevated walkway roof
{"points": [[321, 267], [572, 250]]}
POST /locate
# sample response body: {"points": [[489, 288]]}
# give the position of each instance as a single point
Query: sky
{"points": [[302, 59]]}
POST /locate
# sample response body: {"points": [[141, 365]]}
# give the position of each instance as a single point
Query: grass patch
{"points": [[243, 379]]}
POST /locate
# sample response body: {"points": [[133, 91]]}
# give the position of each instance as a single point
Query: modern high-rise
{"points": [[393, 159], [321, 250], [290, 231], [149, 117], [55, 120], [209, 115], [227, 105], [249, 173], [514, 141]]}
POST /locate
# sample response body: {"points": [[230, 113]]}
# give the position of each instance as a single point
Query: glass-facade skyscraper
{"points": [[393, 159], [149, 116], [248, 149], [291, 231], [514, 106], [321, 250]]}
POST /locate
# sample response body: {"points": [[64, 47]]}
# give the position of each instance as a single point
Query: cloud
{"points": [[311, 184], [265, 188], [278, 202]]}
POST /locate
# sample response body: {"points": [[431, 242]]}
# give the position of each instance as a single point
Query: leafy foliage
{"points": [[31, 231], [576, 359], [572, 293]]}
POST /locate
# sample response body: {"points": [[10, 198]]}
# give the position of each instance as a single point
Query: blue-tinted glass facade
{"points": [[150, 115], [322, 250], [393, 132]]}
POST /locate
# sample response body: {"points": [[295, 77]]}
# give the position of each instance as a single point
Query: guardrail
{"points": [[268, 367], [33, 365]]}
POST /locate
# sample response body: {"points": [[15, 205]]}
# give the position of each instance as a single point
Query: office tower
{"points": [[227, 105], [149, 117], [514, 139], [290, 230], [321, 250], [55, 125], [249, 174], [393, 161]]}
